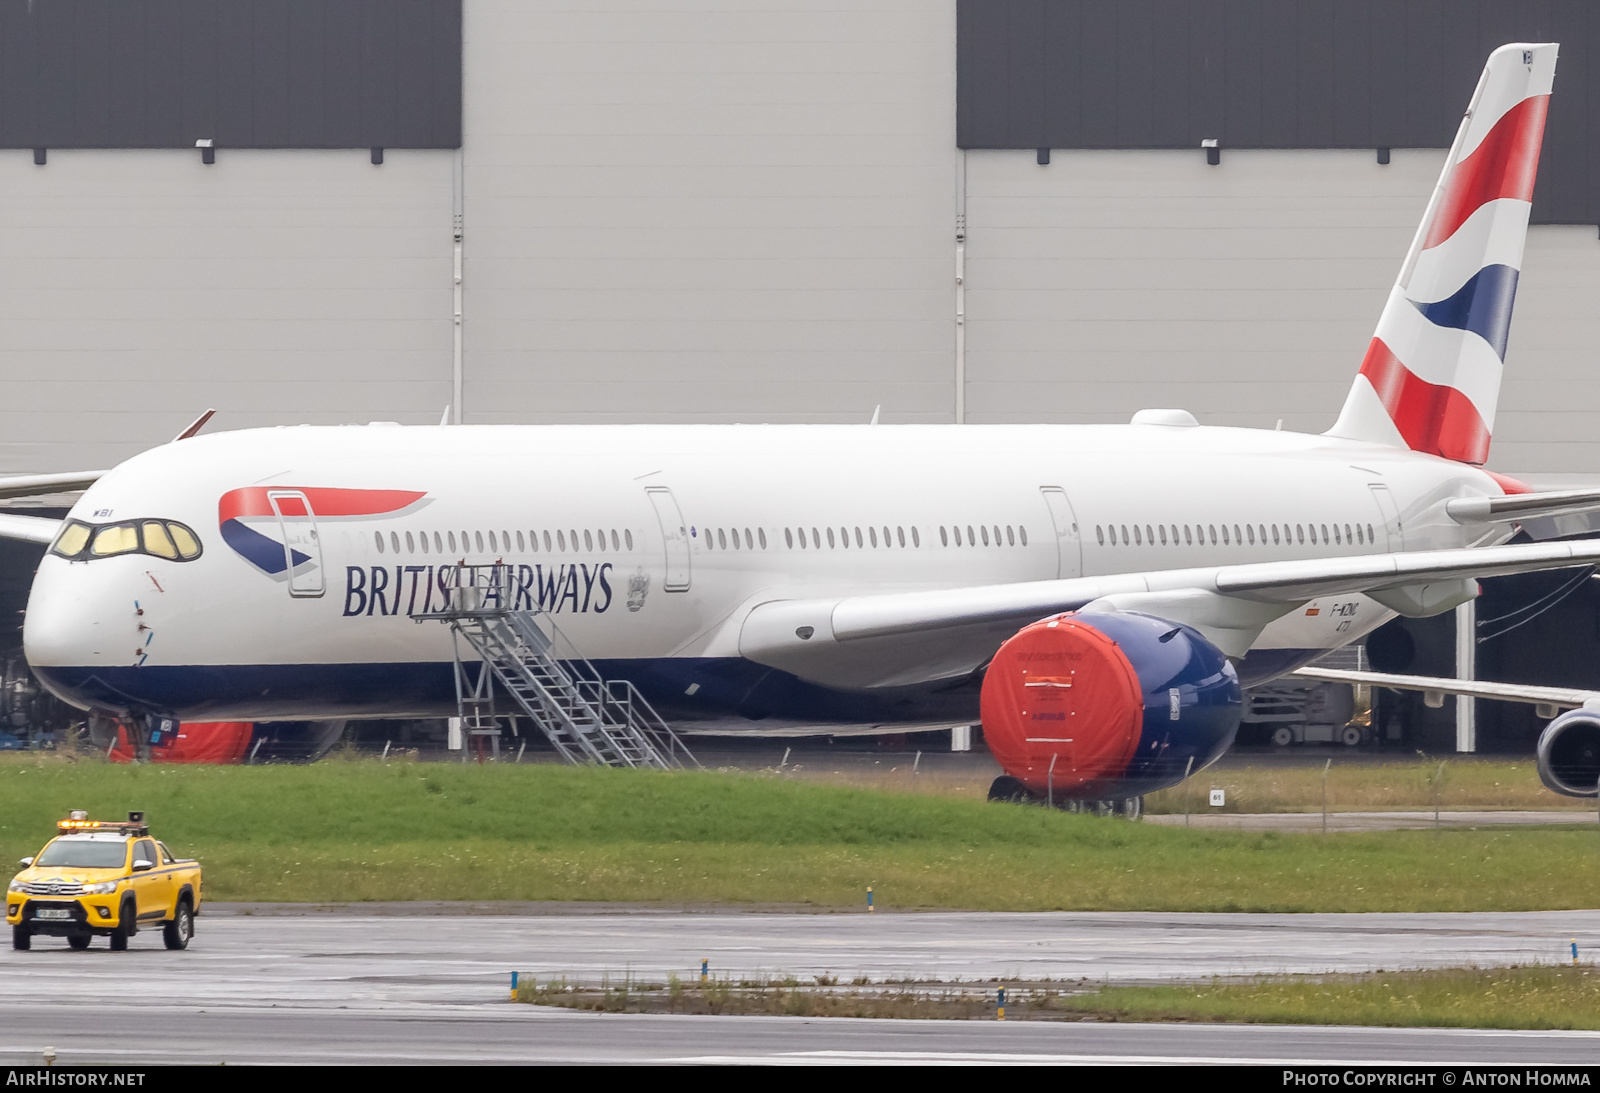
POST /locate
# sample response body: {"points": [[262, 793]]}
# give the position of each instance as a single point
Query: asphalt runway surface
{"points": [[403, 987]]}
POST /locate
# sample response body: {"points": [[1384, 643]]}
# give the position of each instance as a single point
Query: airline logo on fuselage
{"points": [[274, 527], [576, 588]]}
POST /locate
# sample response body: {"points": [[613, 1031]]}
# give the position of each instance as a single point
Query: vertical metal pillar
{"points": [[961, 287], [456, 221], [1466, 668]]}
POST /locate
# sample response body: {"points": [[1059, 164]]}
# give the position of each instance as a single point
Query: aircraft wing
{"points": [[35, 485], [901, 638], [1434, 688], [28, 529]]}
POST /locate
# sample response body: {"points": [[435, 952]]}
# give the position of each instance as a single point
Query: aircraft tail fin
{"points": [[1431, 376]]}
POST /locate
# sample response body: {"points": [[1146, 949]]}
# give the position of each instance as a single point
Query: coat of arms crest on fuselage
{"points": [[638, 589]]}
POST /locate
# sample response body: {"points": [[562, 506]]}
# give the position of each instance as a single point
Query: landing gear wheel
{"points": [[1008, 789], [1282, 736], [124, 930], [176, 934], [21, 938], [1131, 808], [78, 942]]}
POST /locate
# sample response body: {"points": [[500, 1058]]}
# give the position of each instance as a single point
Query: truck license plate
{"points": [[57, 913]]}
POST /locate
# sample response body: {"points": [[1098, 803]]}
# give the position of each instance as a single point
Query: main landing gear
{"points": [[1008, 789]]}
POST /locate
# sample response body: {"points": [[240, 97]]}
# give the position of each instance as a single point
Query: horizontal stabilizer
{"points": [[1521, 506]]}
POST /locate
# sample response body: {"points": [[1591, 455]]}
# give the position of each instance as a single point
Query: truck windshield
{"points": [[73, 854]]}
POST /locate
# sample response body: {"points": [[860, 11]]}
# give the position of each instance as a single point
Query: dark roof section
{"points": [[1270, 74], [244, 73]]}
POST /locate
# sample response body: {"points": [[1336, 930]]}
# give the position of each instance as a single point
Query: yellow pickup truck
{"points": [[106, 878]]}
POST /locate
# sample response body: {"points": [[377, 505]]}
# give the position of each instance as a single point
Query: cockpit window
{"points": [[156, 539], [73, 538], [116, 539], [160, 538]]}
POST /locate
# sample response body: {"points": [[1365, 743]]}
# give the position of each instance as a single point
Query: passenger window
{"points": [[860, 539], [830, 538], [816, 538], [1238, 540], [1336, 538], [1163, 530], [872, 534], [1371, 538], [887, 542], [521, 548], [1213, 529], [627, 535], [1324, 534], [561, 540], [1347, 539], [1187, 539], [1022, 533], [844, 537], [916, 537], [157, 541], [411, 545], [394, 541], [1149, 535], [1300, 533], [377, 537], [1137, 538], [452, 542], [588, 540], [722, 539], [1251, 533], [985, 535], [478, 538], [761, 533], [547, 545], [71, 541], [492, 547], [788, 537], [1360, 538], [1225, 540], [1125, 539], [900, 533]]}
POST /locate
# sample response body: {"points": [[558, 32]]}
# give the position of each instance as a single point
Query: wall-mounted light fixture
{"points": [[208, 149], [1213, 150]]}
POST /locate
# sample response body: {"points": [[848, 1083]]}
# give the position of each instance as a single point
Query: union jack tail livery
{"points": [[1431, 376]]}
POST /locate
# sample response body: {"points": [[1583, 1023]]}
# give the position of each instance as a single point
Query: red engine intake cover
{"points": [[1060, 689]]}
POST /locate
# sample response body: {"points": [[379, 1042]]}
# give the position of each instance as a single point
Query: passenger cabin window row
{"points": [[1014, 536], [505, 542], [159, 538], [848, 537], [1233, 535], [734, 538]]}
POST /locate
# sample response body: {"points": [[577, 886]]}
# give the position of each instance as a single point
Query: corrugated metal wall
{"points": [[1280, 74], [244, 73]]}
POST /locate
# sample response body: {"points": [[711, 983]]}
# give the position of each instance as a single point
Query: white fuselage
{"points": [[592, 513]]}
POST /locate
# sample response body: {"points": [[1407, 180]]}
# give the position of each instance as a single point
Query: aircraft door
{"points": [[675, 536], [1064, 523], [1391, 516], [302, 549]]}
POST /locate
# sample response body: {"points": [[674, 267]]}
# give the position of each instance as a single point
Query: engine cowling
{"points": [[1569, 754], [1108, 704]]}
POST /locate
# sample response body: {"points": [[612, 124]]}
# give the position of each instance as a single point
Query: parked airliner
{"points": [[1096, 595]]}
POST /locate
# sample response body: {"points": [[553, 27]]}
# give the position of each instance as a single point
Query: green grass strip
{"points": [[367, 830], [1534, 997]]}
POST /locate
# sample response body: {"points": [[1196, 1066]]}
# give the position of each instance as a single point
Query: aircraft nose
{"points": [[64, 634]]}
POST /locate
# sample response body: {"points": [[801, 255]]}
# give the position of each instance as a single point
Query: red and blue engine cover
{"points": [[1108, 704]]}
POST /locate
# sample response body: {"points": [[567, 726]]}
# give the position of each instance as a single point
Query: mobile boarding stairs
{"points": [[588, 719]]}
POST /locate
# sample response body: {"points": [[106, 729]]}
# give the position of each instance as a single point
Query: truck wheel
{"points": [[125, 928], [78, 942], [177, 933], [21, 938]]}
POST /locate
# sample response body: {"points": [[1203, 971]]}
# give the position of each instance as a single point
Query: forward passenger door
{"points": [[1064, 523]]}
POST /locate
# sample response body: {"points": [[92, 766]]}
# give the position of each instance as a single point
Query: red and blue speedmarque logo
{"points": [[274, 527]]}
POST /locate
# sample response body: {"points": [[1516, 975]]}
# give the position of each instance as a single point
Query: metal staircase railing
{"points": [[587, 718]]}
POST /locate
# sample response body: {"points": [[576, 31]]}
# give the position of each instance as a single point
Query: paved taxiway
{"points": [[347, 987]]}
